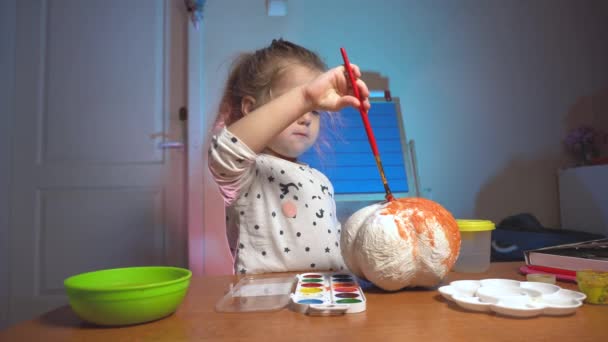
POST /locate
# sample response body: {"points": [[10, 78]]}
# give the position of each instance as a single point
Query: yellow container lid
{"points": [[475, 225]]}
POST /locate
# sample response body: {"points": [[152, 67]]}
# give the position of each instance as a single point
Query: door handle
{"points": [[165, 145]]}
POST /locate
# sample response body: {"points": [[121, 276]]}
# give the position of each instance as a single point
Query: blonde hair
{"points": [[254, 74]]}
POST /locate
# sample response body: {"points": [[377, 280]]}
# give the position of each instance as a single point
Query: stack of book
{"points": [[565, 260]]}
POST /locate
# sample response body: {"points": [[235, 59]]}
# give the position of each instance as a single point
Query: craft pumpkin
{"points": [[402, 243]]}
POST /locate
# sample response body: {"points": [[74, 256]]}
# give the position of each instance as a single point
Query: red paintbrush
{"points": [[368, 127]]}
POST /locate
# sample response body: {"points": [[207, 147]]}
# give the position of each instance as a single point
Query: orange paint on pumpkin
{"points": [[398, 209]]}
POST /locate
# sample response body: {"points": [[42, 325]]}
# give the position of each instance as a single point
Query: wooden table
{"points": [[409, 315]]}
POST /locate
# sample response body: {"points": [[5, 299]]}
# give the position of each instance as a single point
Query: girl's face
{"points": [[301, 134]]}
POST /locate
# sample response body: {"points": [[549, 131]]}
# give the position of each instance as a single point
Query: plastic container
{"points": [[258, 292], [594, 284], [124, 296], [541, 278], [475, 246]]}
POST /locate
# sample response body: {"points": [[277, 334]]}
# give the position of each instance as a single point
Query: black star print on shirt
{"points": [[270, 179], [327, 250], [320, 213], [286, 250], [324, 188]]}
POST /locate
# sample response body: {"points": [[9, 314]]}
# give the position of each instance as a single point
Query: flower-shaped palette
{"points": [[513, 298]]}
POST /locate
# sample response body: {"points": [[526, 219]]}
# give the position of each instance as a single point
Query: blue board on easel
{"points": [[345, 156]]}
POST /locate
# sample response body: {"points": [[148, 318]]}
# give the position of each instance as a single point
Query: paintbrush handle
{"points": [[366, 124]]}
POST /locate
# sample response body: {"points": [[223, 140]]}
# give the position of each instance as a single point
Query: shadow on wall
{"points": [[583, 201], [523, 186]]}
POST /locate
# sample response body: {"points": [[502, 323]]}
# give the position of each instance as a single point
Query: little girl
{"points": [[280, 213]]}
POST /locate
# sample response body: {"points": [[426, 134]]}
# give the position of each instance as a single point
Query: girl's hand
{"points": [[332, 90]]}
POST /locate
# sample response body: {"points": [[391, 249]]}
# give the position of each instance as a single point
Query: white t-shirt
{"points": [[280, 215]]}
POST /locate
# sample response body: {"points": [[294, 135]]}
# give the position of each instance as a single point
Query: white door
{"points": [[99, 84]]}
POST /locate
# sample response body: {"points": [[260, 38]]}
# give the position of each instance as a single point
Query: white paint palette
{"points": [[513, 298], [327, 294]]}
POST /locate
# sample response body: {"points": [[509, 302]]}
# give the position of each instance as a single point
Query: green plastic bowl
{"points": [[124, 296]]}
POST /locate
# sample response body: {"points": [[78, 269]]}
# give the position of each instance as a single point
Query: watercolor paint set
{"points": [[327, 294]]}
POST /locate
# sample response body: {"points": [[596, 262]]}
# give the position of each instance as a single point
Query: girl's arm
{"points": [[329, 91]]}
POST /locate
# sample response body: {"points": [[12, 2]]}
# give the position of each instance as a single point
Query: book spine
{"points": [[569, 263]]}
